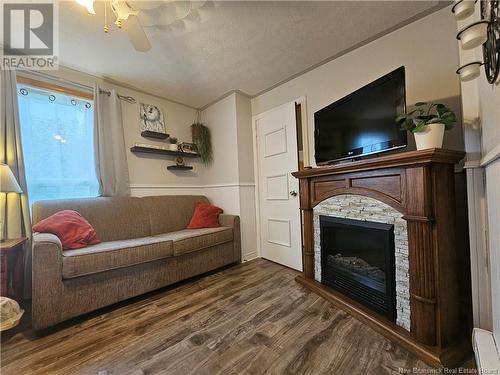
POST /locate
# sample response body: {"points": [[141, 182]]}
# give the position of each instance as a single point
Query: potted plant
{"points": [[202, 140], [173, 144], [427, 122]]}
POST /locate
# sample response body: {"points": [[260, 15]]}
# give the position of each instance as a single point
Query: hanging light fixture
{"points": [[89, 4]]}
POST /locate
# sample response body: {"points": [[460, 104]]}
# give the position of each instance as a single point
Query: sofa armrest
{"points": [[47, 279], [47, 239], [226, 220], [233, 221]]}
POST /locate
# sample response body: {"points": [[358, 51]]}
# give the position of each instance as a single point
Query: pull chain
{"points": [[106, 28]]}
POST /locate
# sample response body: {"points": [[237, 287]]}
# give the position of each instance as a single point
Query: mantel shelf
{"points": [[431, 155], [147, 150]]}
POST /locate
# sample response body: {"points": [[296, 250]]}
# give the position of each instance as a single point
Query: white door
{"points": [[280, 231]]}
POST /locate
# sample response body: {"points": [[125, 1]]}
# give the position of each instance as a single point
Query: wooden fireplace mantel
{"points": [[419, 184]]}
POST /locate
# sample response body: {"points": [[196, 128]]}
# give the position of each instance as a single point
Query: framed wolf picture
{"points": [[152, 119]]}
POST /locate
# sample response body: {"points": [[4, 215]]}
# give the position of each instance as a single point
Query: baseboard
{"points": [[249, 256], [486, 351]]}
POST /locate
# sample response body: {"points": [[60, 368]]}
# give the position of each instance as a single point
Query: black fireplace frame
{"points": [[384, 306]]}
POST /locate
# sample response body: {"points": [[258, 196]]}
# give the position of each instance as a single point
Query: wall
{"points": [[423, 47], [148, 174], [481, 109], [246, 176], [228, 182], [229, 121]]}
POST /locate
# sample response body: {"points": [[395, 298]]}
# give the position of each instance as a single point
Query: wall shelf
{"points": [[156, 135], [179, 167], [147, 150]]}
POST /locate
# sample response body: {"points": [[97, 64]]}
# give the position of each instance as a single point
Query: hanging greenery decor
{"points": [[203, 141]]}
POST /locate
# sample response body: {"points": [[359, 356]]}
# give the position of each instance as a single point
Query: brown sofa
{"points": [[144, 246]]}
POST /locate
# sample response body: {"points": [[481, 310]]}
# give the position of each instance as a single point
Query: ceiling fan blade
{"points": [[136, 34], [145, 5]]}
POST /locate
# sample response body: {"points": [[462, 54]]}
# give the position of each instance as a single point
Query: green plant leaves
{"points": [[202, 140], [435, 120], [401, 117], [426, 113]]}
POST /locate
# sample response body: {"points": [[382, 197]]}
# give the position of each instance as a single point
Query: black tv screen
{"points": [[362, 123]]}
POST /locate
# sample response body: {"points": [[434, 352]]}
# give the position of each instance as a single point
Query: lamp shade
{"points": [[8, 183]]}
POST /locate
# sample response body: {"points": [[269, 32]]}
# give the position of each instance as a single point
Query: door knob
{"points": [[293, 193]]}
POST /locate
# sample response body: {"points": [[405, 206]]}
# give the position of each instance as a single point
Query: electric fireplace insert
{"points": [[357, 259]]}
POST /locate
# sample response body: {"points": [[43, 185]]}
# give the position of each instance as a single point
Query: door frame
{"points": [[305, 141]]}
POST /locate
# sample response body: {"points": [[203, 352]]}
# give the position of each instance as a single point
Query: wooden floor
{"points": [[248, 319]]}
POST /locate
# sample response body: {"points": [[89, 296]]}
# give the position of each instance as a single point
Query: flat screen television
{"points": [[362, 123]]}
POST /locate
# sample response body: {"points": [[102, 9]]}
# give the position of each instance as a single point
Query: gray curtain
{"points": [[14, 208], [109, 142]]}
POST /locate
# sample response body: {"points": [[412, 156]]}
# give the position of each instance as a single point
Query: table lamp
{"points": [[8, 184]]}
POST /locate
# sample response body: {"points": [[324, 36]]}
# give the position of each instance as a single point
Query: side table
{"points": [[12, 267]]}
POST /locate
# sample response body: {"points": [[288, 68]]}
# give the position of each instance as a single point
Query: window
{"points": [[58, 143]]}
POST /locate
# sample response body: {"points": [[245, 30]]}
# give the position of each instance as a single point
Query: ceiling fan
{"points": [[126, 19], [133, 16]]}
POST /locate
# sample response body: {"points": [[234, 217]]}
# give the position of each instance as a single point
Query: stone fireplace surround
{"points": [[358, 207], [419, 185]]}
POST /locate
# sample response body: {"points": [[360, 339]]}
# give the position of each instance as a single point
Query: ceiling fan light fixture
{"points": [[148, 18], [122, 10], [88, 4]]}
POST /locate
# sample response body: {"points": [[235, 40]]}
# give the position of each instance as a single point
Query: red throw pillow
{"points": [[205, 216], [72, 229]]}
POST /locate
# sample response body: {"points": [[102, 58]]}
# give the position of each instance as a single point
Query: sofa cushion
{"points": [[70, 227], [205, 216], [172, 212], [114, 254], [189, 240], [116, 218]]}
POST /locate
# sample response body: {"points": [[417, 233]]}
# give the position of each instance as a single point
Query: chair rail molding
{"points": [[175, 186]]}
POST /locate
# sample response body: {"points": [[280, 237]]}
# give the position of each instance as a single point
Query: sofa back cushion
{"points": [[112, 218], [170, 213]]}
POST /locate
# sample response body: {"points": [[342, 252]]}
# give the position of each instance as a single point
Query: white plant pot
{"points": [[469, 71], [463, 9], [474, 35], [431, 137]]}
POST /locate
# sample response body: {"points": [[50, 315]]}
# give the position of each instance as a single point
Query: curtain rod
{"points": [[46, 76], [125, 98], [49, 77]]}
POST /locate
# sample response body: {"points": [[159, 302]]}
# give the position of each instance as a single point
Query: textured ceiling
{"points": [[224, 46]]}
